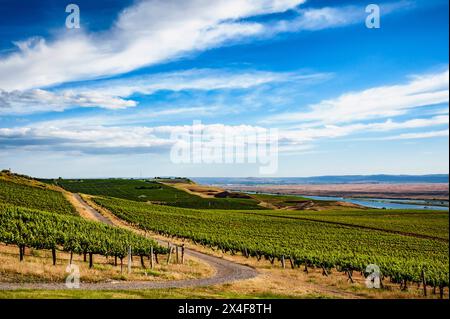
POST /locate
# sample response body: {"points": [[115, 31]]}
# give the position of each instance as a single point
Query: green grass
{"points": [[34, 197], [151, 191], [307, 242]]}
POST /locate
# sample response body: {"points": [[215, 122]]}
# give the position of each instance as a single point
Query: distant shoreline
{"points": [[413, 191], [329, 179]]}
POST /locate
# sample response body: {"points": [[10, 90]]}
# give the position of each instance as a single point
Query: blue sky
{"points": [[102, 100]]}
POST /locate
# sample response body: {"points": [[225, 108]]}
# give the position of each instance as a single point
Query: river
{"points": [[386, 203]]}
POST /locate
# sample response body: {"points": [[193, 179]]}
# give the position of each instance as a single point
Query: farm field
{"points": [[433, 224], [40, 219], [237, 150], [308, 243], [151, 191], [324, 243], [34, 197], [43, 230]]}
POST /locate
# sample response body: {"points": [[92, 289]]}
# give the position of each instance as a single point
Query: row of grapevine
{"points": [[311, 244], [52, 231], [425, 223], [34, 197]]}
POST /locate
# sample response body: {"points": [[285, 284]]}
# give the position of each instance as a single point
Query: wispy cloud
{"points": [[379, 102], [92, 137], [139, 37], [107, 140], [331, 17], [196, 79], [38, 100], [420, 135], [115, 94], [307, 135], [410, 124], [139, 117]]}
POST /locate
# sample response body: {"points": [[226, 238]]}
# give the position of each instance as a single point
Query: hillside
{"points": [[310, 237], [153, 192]]}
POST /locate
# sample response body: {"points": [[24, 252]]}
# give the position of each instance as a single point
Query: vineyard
{"points": [[40, 218], [307, 243], [151, 191], [418, 222], [34, 197], [52, 231], [409, 246]]}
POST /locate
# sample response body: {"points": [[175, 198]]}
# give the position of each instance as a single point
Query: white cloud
{"points": [[197, 79], [310, 134], [384, 101], [88, 139], [410, 124], [421, 135], [314, 19], [114, 94], [107, 140], [323, 18], [38, 100], [91, 137], [136, 118], [155, 31], [149, 32]]}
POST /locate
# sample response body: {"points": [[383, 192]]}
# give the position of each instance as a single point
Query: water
{"points": [[380, 203], [385, 203]]}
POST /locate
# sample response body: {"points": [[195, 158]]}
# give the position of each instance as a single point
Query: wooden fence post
{"points": [[170, 255], [283, 262], [182, 254], [142, 262], [54, 256], [129, 260], [151, 257]]}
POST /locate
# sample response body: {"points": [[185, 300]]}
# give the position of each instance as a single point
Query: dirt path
{"points": [[88, 211], [225, 271]]}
